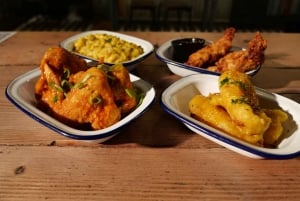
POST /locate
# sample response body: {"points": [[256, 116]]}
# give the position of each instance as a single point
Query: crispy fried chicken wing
{"points": [[55, 62], [211, 53], [123, 89], [90, 101], [80, 96], [243, 60]]}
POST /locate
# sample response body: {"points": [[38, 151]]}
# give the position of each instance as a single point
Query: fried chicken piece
{"points": [[55, 62], [123, 90], [90, 101], [211, 53], [75, 94], [243, 60]]}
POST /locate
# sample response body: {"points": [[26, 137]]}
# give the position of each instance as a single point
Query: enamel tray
{"points": [[148, 48], [165, 54], [20, 92], [174, 100]]}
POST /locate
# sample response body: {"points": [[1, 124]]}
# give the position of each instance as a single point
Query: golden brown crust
{"points": [[212, 52], [236, 111], [244, 60], [79, 96]]}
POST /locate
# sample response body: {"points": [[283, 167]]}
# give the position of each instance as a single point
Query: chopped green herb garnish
{"points": [[224, 81], [66, 73], [56, 87], [55, 98], [241, 84], [131, 92], [81, 84], [240, 100], [95, 100], [66, 85], [141, 98]]}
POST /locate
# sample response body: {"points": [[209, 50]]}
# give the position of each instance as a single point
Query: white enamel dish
{"points": [[174, 100], [148, 48], [20, 92], [165, 54]]}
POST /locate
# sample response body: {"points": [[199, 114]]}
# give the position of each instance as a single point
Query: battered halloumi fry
{"points": [[236, 111], [239, 99], [205, 110], [273, 133]]}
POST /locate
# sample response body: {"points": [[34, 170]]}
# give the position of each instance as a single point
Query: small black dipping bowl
{"points": [[182, 48]]}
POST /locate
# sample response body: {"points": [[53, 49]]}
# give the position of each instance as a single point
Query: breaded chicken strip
{"points": [[211, 53], [243, 60]]}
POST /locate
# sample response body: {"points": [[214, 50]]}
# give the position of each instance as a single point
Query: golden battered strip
{"points": [[211, 53], [204, 109], [240, 101], [244, 60]]}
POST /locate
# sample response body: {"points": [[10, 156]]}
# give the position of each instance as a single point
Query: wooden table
{"points": [[156, 157]]}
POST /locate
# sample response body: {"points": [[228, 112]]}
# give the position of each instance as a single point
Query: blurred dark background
{"points": [[154, 15]]}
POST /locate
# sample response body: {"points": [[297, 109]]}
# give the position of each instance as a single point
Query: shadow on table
{"points": [[155, 128], [277, 79]]}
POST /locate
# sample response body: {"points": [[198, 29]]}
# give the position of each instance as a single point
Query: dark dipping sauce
{"points": [[182, 48]]}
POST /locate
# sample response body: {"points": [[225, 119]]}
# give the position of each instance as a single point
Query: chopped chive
{"points": [[66, 85], [66, 73], [86, 77], [56, 87], [55, 98], [240, 100], [141, 98], [131, 92], [224, 81], [80, 84], [95, 100]]}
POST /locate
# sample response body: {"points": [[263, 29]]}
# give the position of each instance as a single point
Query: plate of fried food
{"points": [[217, 56], [79, 101], [109, 47], [231, 112]]}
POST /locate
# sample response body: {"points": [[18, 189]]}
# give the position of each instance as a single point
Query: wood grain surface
{"points": [[155, 157]]}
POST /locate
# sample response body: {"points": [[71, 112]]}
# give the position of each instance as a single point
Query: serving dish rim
{"points": [[252, 151], [147, 46], [13, 95], [159, 53]]}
